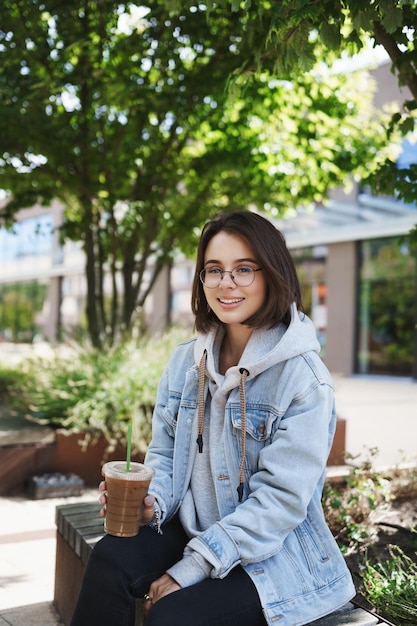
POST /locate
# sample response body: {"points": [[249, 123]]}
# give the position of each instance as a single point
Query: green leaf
{"points": [[410, 105], [330, 35], [408, 125], [392, 16]]}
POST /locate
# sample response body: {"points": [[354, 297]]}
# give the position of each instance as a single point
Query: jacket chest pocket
{"points": [[261, 424], [174, 408]]}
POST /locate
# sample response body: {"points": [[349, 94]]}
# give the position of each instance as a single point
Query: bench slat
{"points": [[348, 615]]}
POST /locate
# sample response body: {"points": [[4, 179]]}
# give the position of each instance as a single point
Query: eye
{"points": [[213, 271], [243, 269]]}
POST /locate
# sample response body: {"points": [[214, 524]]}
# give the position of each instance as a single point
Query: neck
{"points": [[233, 345]]}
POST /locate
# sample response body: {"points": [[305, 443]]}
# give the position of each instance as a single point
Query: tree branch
{"points": [[406, 71]]}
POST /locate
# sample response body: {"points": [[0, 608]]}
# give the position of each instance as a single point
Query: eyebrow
{"points": [[236, 262]]}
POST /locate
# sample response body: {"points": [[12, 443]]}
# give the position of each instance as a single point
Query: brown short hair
{"points": [[268, 245]]}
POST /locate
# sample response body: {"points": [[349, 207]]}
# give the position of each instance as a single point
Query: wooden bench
{"points": [[79, 527]]}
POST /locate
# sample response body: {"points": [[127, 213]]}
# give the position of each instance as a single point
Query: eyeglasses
{"points": [[242, 276]]}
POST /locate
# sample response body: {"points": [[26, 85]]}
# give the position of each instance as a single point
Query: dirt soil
{"points": [[396, 524]]}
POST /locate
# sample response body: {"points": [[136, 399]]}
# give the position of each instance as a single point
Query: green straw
{"points": [[129, 446]]}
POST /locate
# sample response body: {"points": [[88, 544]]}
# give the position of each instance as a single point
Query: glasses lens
{"points": [[243, 275], [211, 278]]}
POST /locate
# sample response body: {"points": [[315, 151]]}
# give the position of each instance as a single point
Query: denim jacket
{"points": [[278, 533]]}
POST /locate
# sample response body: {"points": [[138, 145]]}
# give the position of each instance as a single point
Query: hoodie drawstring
{"points": [[201, 377], [242, 397]]}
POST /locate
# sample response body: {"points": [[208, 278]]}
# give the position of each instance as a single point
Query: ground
{"points": [[396, 524]]}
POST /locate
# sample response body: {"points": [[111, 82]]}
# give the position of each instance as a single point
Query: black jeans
{"points": [[120, 570]]}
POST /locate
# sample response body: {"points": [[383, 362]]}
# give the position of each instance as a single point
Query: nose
{"points": [[231, 281]]}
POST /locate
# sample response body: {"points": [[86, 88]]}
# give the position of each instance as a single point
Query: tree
{"points": [[349, 24], [298, 33], [123, 114]]}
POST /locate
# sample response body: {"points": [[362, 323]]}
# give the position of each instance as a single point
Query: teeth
{"points": [[231, 300]]}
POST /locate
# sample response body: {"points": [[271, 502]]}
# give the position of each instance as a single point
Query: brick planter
{"points": [[338, 451], [61, 452], [75, 454]]}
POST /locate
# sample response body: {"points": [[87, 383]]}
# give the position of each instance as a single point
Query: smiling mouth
{"points": [[230, 300]]}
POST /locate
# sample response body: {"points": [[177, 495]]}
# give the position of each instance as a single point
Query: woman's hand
{"points": [[103, 498], [159, 588], [148, 511]]}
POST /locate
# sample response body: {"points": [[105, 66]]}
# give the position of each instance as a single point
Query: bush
{"points": [[391, 587], [349, 510], [84, 390], [386, 574], [11, 380]]}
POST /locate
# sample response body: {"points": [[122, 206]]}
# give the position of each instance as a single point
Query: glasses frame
{"points": [[223, 272]]}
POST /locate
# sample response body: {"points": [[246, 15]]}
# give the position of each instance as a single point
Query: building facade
{"points": [[359, 283]]}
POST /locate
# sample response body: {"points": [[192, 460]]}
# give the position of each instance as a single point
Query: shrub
{"points": [[10, 380], [84, 390], [389, 580], [391, 587], [349, 509]]}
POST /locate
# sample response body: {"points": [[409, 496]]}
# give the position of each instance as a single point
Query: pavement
{"points": [[380, 414], [27, 558]]}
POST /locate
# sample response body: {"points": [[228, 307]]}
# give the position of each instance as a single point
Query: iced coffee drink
{"points": [[126, 491]]}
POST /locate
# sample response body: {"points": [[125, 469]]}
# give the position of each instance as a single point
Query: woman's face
{"points": [[232, 303]]}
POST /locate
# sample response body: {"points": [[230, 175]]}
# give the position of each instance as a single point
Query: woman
{"points": [[242, 429]]}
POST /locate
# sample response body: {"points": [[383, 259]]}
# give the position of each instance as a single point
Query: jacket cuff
{"points": [[218, 548]]}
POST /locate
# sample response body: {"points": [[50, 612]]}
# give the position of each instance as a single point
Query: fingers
{"points": [[102, 499], [158, 589], [148, 511], [149, 502], [162, 586], [147, 603]]}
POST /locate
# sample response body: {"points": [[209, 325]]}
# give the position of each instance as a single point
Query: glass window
{"points": [[387, 308], [311, 270], [30, 237]]}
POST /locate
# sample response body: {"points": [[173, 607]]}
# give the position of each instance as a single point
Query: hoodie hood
{"points": [[265, 348]]}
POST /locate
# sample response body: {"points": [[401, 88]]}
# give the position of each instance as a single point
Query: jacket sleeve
{"points": [[160, 451], [160, 454]]}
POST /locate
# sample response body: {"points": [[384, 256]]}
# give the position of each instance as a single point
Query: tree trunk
{"points": [[91, 310]]}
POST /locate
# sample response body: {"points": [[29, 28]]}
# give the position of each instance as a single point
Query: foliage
{"points": [[354, 512], [349, 509], [10, 381], [97, 392], [298, 33], [391, 587], [122, 113], [404, 482]]}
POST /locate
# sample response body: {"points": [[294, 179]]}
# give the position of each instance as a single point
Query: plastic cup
{"points": [[126, 491]]}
